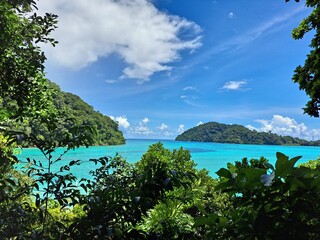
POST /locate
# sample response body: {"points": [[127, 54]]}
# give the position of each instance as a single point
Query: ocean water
{"points": [[211, 156]]}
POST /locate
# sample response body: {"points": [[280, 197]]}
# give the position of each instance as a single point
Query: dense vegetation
{"points": [[162, 196], [70, 110], [307, 76], [223, 133], [73, 107]]}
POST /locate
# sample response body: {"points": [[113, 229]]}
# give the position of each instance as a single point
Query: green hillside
{"points": [[73, 107], [223, 133]]}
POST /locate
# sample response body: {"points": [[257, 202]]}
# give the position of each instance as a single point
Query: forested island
{"points": [[72, 106], [71, 111], [224, 133]]}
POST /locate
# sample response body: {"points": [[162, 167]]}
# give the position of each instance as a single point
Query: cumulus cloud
{"points": [[163, 127], [145, 38], [234, 85], [145, 120], [122, 121], [142, 130], [181, 129], [286, 126], [166, 134]]}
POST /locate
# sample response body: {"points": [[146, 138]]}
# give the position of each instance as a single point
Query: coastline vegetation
{"points": [[162, 196], [224, 133], [73, 107], [70, 111]]}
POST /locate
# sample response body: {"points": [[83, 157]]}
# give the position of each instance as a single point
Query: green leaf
{"points": [[223, 172], [269, 166], [282, 164], [231, 167], [201, 221], [294, 160], [224, 186], [253, 175]]}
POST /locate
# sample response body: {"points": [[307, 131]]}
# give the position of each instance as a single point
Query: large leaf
{"points": [[253, 175], [284, 165], [223, 172]]}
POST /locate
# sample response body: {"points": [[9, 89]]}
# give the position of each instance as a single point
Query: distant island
{"points": [[224, 133]]}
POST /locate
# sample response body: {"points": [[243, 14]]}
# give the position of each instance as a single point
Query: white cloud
{"points": [[286, 126], [189, 88], [190, 96], [142, 130], [145, 120], [110, 81], [147, 39], [181, 129], [234, 85], [190, 100], [199, 123], [231, 15], [122, 121], [163, 127], [167, 134]]}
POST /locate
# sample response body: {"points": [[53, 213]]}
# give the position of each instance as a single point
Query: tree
{"points": [[308, 76], [23, 87], [26, 96]]}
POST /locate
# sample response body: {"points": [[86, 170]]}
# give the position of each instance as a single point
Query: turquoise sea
{"points": [[211, 156]]}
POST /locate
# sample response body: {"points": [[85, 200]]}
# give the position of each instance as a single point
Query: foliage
{"points": [[174, 216], [73, 107], [121, 193], [23, 87], [12, 214], [223, 133], [269, 202], [192, 196], [167, 220], [29, 202], [313, 164], [67, 112], [26, 198], [308, 76]]}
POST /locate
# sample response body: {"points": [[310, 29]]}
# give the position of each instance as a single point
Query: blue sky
{"points": [[161, 67]]}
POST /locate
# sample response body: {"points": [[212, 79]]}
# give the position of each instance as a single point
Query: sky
{"points": [[160, 67]]}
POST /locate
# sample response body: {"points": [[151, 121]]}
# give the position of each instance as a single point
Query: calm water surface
{"points": [[211, 156]]}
